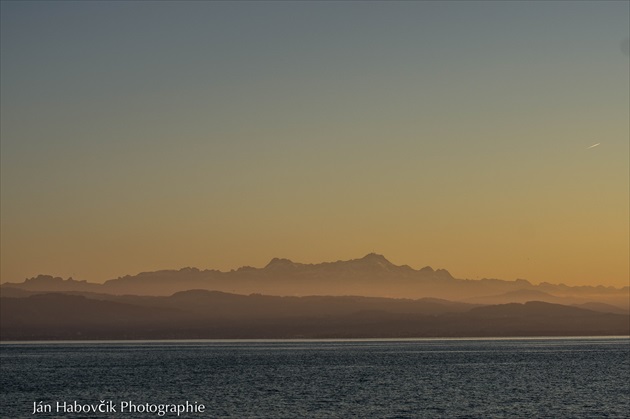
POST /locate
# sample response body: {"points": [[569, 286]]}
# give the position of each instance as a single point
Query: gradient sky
{"points": [[156, 135]]}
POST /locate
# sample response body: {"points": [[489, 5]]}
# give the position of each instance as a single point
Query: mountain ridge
{"points": [[372, 276], [201, 314]]}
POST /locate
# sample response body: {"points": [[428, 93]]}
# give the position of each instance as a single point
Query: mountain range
{"points": [[370, 276], [368, 297]]}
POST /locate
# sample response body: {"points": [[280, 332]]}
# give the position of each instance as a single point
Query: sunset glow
{"points": [[139, 136]]}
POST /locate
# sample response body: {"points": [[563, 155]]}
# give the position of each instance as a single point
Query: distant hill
{"points": [[603, 308], [370, 276], [523, 296], [216, 315], [60, 316], [530, 309]]}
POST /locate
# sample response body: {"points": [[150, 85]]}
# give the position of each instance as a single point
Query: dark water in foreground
{"points": [[526, 378]]}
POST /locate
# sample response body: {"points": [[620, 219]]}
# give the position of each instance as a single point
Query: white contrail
{"points": [[594, 145]]}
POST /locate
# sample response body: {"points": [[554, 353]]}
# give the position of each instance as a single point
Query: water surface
{"points": [[430, 378]]}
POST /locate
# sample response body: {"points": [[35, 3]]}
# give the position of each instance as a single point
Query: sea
{"points": [[413, 378]]}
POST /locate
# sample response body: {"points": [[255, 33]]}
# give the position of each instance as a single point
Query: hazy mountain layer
{"points": [[372, 275]]}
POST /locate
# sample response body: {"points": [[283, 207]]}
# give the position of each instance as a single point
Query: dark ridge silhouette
{"points": [[522, 296], [260, 306], [213, 315], [602, 308], [529, 309], [67, 316], [370, 276]]}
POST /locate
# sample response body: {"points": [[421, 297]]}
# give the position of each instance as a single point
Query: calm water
{"points": [[326, 379]]}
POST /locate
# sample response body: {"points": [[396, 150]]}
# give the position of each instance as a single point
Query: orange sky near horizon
{"points": [[139, 136]]}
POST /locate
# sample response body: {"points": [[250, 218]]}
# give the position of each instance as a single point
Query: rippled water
{"points": [[326, 379]]}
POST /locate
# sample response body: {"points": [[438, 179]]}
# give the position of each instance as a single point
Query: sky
{"points": [[138, 136]]}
